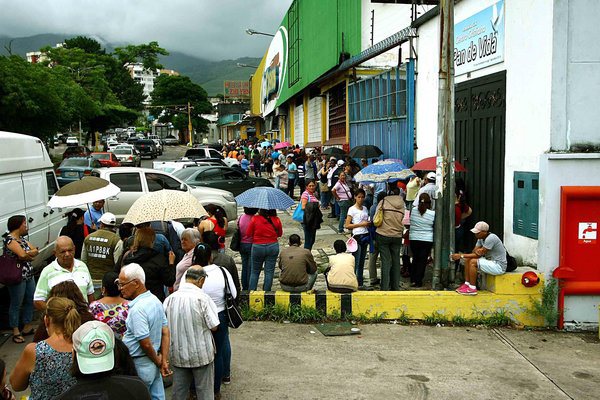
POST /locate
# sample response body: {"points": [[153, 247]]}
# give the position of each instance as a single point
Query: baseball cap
{"points": [[480, 227], [94, 344], [340, 163], [108, 219], [431, 176]]}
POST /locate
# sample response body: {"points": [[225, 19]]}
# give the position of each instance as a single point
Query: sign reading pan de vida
{"points": [[274, 72], [479, 40]]}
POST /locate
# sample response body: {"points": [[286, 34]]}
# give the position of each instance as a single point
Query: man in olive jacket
{"points": [[298, 267]]}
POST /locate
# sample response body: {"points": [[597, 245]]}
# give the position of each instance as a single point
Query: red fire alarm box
{"points": [[579, 261]]}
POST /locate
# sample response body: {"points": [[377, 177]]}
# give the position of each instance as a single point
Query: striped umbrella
{"points": [[384, 171], [267, 198]]}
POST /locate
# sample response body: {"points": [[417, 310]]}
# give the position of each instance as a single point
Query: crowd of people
{"points": [[125, 307]]}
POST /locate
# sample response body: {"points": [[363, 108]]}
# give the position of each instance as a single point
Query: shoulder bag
{"points": [[234, 316], [236, 239], [378, 217], [10, 270]]}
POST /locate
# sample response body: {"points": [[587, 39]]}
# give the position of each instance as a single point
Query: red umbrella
{"points": [[282, 145], [428, 164]]}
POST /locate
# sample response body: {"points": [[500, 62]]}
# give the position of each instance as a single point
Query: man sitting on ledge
{"points": [[489, 255], [298, 267]]}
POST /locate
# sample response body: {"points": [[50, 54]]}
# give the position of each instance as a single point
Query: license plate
{"points": [[71, 174]]}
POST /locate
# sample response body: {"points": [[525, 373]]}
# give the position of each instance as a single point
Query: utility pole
{"points": [[190, 124], [444, 204]]}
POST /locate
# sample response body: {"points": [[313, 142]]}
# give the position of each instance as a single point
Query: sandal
{"points": [[18, 339], [28, 333]]}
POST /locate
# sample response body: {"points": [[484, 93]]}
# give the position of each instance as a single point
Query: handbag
{"points": [[10, 271], [298, 213], [378, 218], [236, 239], [234, 315]]}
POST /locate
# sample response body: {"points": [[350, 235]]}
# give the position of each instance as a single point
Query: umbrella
{"points": [[428, 164], [365, 151], [282, 145], [266, 144], [334, 151], [86, 190], [267, 198], [384, 171], [164, 205]]}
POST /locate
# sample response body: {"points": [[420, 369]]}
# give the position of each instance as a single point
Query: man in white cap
{"points": [[488, 256], [430, 188], [102, 249], [96, 364]]}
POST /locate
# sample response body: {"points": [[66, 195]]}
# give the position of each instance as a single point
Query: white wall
{"points": [[299, 125], [314, 119], [527, 61]]}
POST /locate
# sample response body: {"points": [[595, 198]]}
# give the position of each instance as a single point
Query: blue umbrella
{"points": [[267, 198], [384, 171], [266, 144]]}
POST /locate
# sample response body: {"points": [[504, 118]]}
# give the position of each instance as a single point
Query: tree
{"points": [[171, 95], [147, 54], [86, 44]]}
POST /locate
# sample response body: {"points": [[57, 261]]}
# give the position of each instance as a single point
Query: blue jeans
{"points": [[246, 252], [263, 254], [325, 199], [150, 375], [21, 302], [309, 237], [344, 206], [223, 351], [359, 260]]}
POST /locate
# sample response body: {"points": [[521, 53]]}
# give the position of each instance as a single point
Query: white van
{"points": [[27, 182]]}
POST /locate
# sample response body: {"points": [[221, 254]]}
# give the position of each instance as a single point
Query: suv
{"points": [[157, 142], [135, 182], [146, 147], [196, 153]]}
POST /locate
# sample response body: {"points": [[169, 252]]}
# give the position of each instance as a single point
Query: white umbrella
{"points": [[164, 205], [84, 191]]}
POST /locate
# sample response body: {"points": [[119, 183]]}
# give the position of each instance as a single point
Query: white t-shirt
{"points": [[358, 216]]}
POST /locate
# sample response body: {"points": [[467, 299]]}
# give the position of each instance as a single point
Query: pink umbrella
{"points": [[282, 145]]}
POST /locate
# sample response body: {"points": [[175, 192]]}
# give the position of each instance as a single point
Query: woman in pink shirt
{"points": [[343, 195], [310, 230], [246, 244]]}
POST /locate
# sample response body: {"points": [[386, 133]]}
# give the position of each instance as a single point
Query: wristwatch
{"points": [[462, 256]]}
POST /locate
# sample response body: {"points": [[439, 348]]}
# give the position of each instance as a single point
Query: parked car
{"points": [[146, 147], [157, 142], [128, 155], [74, 168], [221, 178], [132, 140], [203, 152], [171, 140], [72, 141], [106, 159], [76, 151], [111, 144], [135, 182], [172, 166]]}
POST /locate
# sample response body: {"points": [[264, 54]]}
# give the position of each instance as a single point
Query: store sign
{"points": [[274, 73], [587, 233], [479, 40], [236, 89]]}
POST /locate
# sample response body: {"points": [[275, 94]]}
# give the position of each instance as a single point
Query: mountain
{"points": [[208, 74]]}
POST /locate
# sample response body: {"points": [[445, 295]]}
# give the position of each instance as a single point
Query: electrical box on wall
{"points": [[526, 204]]}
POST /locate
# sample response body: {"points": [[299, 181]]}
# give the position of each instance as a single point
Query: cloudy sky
{"points": [[210, 29]]}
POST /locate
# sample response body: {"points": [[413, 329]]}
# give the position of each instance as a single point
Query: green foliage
{"points": [[147, 54], [546, 308], [497, 318], [302, 314], [86, 44]]}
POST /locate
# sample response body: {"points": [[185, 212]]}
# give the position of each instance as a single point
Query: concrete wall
{"points": [[527, 61]]}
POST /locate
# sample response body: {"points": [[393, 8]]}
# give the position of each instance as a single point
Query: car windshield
{"points": [[75, 162], [104, 156], [185, 173], [122, 151]]}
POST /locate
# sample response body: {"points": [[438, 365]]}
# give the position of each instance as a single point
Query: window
{"points": [[293, 44], [215, 154], [213, 174], [159, 182], [526, 204], [51, 183], [233, 175], [129, 182]]}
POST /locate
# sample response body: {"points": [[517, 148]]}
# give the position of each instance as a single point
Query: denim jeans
{"points": [[263, 254], [359, 261], [203, 378], [223, 351], [325, 199], [390, 249], [421, 251], [298, 289], [246, 252], [309, 237], [344, 206], [373, 263], [291, 186], [150, 375], [21, 302]]}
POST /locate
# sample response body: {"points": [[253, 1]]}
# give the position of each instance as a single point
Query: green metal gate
{"points": [[480, 116]]}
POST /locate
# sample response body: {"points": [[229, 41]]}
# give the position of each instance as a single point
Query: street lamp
{"points": [[242, 65], [250, 31]]}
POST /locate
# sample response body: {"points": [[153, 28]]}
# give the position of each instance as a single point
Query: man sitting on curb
{"points": [[489, 255], [298, 267]]}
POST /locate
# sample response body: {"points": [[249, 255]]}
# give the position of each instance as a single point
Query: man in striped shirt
{"points": [[191, 316]]}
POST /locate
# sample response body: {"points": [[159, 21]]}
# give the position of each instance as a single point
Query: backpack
{"points": [[511, 262]]}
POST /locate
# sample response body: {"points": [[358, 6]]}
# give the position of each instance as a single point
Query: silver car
{"points": [[128, 155], [135, 182]]}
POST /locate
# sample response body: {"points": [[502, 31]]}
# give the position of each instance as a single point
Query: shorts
{"points": [[489, 267]]}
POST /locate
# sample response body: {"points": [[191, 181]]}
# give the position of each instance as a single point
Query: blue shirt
{"points": [[162, 245], [421, 226], [145, 320], [245, 164], [292, 170], [275, 155], [95, 216]]}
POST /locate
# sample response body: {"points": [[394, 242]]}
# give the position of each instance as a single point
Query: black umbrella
{"points": [[334, 151], [365, 151]]}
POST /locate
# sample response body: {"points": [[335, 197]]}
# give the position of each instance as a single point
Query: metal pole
{"points": [[191, 143], [444, 205]]}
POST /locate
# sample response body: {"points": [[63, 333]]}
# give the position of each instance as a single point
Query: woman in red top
{"points": [[216, 221], [265, 228]]}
